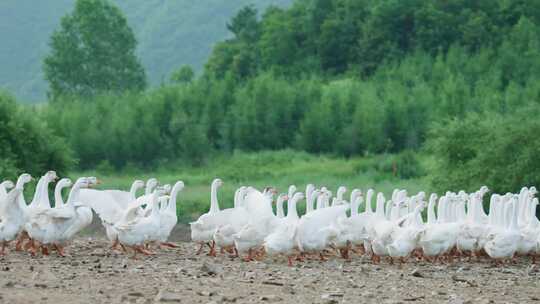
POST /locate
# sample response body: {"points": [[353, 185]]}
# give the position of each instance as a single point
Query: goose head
{"points": [[354, 194], [483, 190], [63, 183], [151, 184], [340, 192], [279, 203], [532, 192], [137, 184], [167, 188], [269, 192], [217, 183], [292, 190], [23, 179], [51, 176], [178, 186], [298, 197], [7, 184], [92, 181]]}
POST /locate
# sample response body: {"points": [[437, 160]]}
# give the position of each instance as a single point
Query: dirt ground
{"points": [[93, 274]]}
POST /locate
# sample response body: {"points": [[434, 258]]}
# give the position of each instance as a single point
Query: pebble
{"points": [[210, 269], [206, 293], [167, 296], [417, 273], [270, 298]]}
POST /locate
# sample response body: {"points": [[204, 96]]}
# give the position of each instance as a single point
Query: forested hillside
{"points": [[170, 33], [455, 80]]}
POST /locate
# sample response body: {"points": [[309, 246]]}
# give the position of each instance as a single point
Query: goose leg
{"points": [[234, 253], [249, 257], [115, 245], [32, 248], [29, 244], [169, 244], [44, 249], [212, 252], [290, 263], [59, 249], [3, 248]]}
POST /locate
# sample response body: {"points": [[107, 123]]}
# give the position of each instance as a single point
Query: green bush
{"points": [[27, 144], [502, 152]]}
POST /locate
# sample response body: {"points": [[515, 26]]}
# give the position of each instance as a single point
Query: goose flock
{"points": [[456, 224], [129, 221]]}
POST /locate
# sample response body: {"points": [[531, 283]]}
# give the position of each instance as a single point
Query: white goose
{"points": [[383, 227], [168, 216], [279, 205], [438, 237], [282, 240], [11, 217], [237, 218], [261, 223], [64, 222], [41, 195], [317, 229], [60, 185], [39, 203], [202, 230], [5, 186], [137, 230], [352, 230], [502, 243], [310, 198], [529, 233], [406, 234], [469, 237]]}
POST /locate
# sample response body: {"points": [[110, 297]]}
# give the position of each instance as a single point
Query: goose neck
{"points": [[214, 206]]}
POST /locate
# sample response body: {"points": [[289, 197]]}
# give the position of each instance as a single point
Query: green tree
{"points": [[184, 74], [93, 52]]}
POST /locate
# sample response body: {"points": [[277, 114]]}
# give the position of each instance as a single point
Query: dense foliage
{"points": [[93, 52], [346, 78], [27, 144]]}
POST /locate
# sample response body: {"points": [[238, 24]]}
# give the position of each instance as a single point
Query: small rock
{"points": [[206, 293], [270, 298], [230, 299], [135, 294], [210, 269], [75, 263], [166, 296], [9, 284], [328, 299], [417, 273]]}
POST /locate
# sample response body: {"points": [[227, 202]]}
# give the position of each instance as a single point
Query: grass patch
{"points": [[270, 168]]}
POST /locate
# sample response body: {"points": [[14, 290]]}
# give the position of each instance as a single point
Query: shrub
{"points": [[27, 144]]}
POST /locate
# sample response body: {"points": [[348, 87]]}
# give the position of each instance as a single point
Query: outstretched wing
{"points": [[103, 203]]}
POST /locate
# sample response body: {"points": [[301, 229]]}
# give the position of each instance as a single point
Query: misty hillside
{"points": [[170, 33]]}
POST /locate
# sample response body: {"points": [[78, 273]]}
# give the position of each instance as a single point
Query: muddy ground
{"points": [[93, 274]]}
